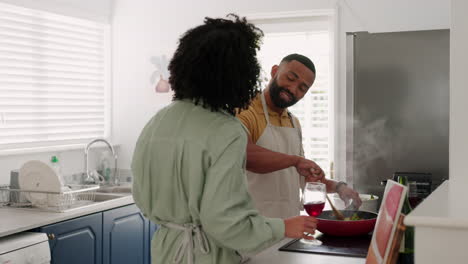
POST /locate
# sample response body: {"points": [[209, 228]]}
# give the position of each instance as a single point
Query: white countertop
{"points": [[15, 220], [272, 255], [437, 211]]}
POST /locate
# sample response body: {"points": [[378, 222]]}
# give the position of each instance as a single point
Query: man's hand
{"points": [[347, 193], [309, 169]]}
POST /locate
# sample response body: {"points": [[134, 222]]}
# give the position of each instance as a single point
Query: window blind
{"points": [[53, 79]]}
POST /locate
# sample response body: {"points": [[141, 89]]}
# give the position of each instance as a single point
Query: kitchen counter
{"points": [[15, 220], [272, 255]]}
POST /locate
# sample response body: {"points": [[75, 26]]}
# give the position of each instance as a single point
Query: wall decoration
{"points": [[160, 76]]}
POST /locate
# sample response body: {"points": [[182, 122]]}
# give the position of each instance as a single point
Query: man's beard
{"points": [[277, 99]]}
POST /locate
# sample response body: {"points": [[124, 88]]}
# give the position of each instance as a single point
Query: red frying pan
{"points": [[328, 224]]}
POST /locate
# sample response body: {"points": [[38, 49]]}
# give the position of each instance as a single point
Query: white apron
{"points": [[276, 194]]}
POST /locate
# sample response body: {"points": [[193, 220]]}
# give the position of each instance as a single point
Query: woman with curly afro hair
{"points": [[189, 161]]}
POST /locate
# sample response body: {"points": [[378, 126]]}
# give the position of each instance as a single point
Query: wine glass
{"points": [[313, 198]]}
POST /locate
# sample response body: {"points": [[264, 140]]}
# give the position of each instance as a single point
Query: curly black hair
{"points": [[215, 64]]}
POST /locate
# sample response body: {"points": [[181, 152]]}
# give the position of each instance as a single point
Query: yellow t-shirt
{"points": [[254, 118]]}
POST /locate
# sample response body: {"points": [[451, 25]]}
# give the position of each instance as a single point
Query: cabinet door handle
{"points": [[51, 236]]}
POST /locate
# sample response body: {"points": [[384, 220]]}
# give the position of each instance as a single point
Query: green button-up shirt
{"points": [[189, 167]]}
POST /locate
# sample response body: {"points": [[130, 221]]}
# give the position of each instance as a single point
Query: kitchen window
{"points": [[54, 79], [310, 34]]}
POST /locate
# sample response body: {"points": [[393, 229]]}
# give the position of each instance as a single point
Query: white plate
{"points": [[36, 175]]}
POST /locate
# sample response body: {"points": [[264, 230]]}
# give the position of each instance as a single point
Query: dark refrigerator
{"points": [[399, 104]]}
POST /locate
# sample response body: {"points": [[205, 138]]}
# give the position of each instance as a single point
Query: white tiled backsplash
{"points": [[71, 162]]}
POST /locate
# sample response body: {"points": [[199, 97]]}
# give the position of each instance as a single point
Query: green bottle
{"points": [[406, 255], [55, 164]]}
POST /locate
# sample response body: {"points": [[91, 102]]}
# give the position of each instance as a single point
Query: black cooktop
{"points": [[355, 246]]}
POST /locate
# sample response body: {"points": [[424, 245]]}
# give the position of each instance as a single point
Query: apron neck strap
{"points": [[265, 109], [266, 113], [293, 119]]}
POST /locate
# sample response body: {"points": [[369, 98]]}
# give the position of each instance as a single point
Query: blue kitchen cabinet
{"points": [[125, 236], [120, 235], [76, 241]]}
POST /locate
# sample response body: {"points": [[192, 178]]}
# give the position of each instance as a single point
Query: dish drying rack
{"points": [[76, 196]]}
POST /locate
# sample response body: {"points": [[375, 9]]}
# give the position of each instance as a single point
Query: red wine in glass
{"points": [[314, 209], [313, 198]]}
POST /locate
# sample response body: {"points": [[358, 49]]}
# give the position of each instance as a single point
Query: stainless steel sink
{"points": [[125, 189], [99, 198], [102, 197], [77, 197]]}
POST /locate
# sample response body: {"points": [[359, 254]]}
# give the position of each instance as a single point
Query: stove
{"points": [[354, 246]]}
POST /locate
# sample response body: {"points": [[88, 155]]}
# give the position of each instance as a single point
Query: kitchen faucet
{"points": [[95, 178]]}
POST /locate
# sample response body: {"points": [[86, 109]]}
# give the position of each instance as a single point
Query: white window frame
{"points": [[14, 149], [332, 14]]}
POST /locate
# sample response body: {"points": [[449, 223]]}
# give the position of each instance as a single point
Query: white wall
{"points": [[458, 102], [152, 28], [397, 15]]}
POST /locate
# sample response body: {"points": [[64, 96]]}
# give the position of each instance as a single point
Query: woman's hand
{"points": [[300, 226]]}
